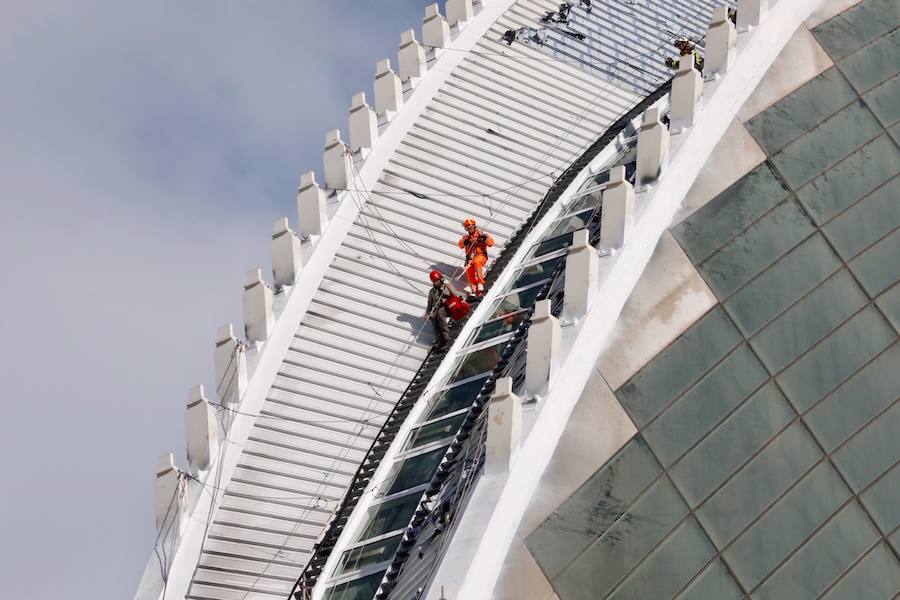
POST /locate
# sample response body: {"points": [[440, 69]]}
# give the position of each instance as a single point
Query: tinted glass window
{"points": [[416, 470], [517, 301], [390, 516], [456, 398], [506, 324], [369, 554], [480, 361], [435, 431], [536, 273], [358, 589]]}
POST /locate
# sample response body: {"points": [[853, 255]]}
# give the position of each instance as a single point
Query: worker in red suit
{"points": [[475, 244]]}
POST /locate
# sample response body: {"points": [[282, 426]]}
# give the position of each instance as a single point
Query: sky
{"points": [[146, 148]]}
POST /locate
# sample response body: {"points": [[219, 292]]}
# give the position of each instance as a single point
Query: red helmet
{"points": [[435, 276], [469, 223]]}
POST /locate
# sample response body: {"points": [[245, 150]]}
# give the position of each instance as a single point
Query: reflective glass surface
{"points": [[435, 431], [516, 301], [455, 398], [369, 554], [358, 589], [477, 362], [876, 576], [536, 273], [862, 225], [857, 26], [389, 516], [874, 63], [508, 323], [590, 200], [415, 470]]}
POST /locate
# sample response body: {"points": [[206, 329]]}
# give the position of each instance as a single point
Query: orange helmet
{"points": [[469, 223], [435, 276]]}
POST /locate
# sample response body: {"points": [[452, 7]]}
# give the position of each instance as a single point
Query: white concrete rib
{"points": [[497, 125]]}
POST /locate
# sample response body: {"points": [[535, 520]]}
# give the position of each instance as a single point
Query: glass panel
{"points": [[358, 589], [851, 179], [868, 221], [552, 245], [851, 29], [808, 321], [480, 361], [766, 477], [756, 248], [878, 267], [415, 471], [832, 140], [731, 444], [872, 451], [569, 224], [517, 301], [831, 551], [786, 525], [801, 110], [729, 213], [591, 200], [882, 502], [535, 273], [836, 357], [389, 516], [782, 284], [695, 413], [647, 521], [715, 583], [860, 398], [370, 554], [497, 327], [669, 566], [590, 511], [677, 367], [435, 431], [872, 64], [876, 576], [889, 303], [456, 398], [884, 101]]}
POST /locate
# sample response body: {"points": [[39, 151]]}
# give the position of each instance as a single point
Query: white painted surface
{"points": [[201, 429], [504, 428], [259, 308], [583, 275], [362, 123], [687, 89], [652, 148], [618, 210], [721, 40], [542, 360], [286, 256]]}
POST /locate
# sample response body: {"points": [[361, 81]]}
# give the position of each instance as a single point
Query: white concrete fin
{"points": [[618, 210], [311, 206], [750, 13], [687, 89], [336, 160], [410, 56], [435, 29], [230, 365], [363, 123], [202, 430], [721, 39], [582, 280], [459, 11], [388, 88], [168, 492], [504, 431], [259, 315], [542, 358], [652, 148], [286, 261]]}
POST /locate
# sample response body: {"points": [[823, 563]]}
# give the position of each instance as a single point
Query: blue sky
{"points": [[145, 150]]}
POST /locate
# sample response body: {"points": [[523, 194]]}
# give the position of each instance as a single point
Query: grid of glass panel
{"points": [[767, 463]]}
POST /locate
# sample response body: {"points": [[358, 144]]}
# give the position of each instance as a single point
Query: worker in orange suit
{"points": [[475, 243]]}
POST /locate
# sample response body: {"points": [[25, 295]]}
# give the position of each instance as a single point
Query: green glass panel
{"points": [[596, 505], [591, 200], [479, 361], [786, 525], [832, 140], [801, 110], [756, 248], [889, 303], [731, 444], [785, 282], [884, 101], [872, 64], [569, 224], [390, 516], [497, 327], [669, 566], [883, 500], [535, 273], [694, 414], [714, 583], [894, 539], [416, 470], [594, 573], [677, 367], [868, 221], [729, 213], [863, 23], [878, 268], [895, 132], [875, 577], [851, 179], [369, 554], [835, 358], [808, 321], [758, 484], [358, 589], [857, 400], [872, 451], [456, 398], [517, 301], [828, 554], [552, 245], [435, 431]]}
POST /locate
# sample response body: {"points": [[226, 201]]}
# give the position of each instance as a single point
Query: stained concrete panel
{"points": [[804, 58], [668, 298], [828, 9], [521, 578]]}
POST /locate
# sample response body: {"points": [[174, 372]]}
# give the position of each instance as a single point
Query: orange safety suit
{"points": [[475, 245]]}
